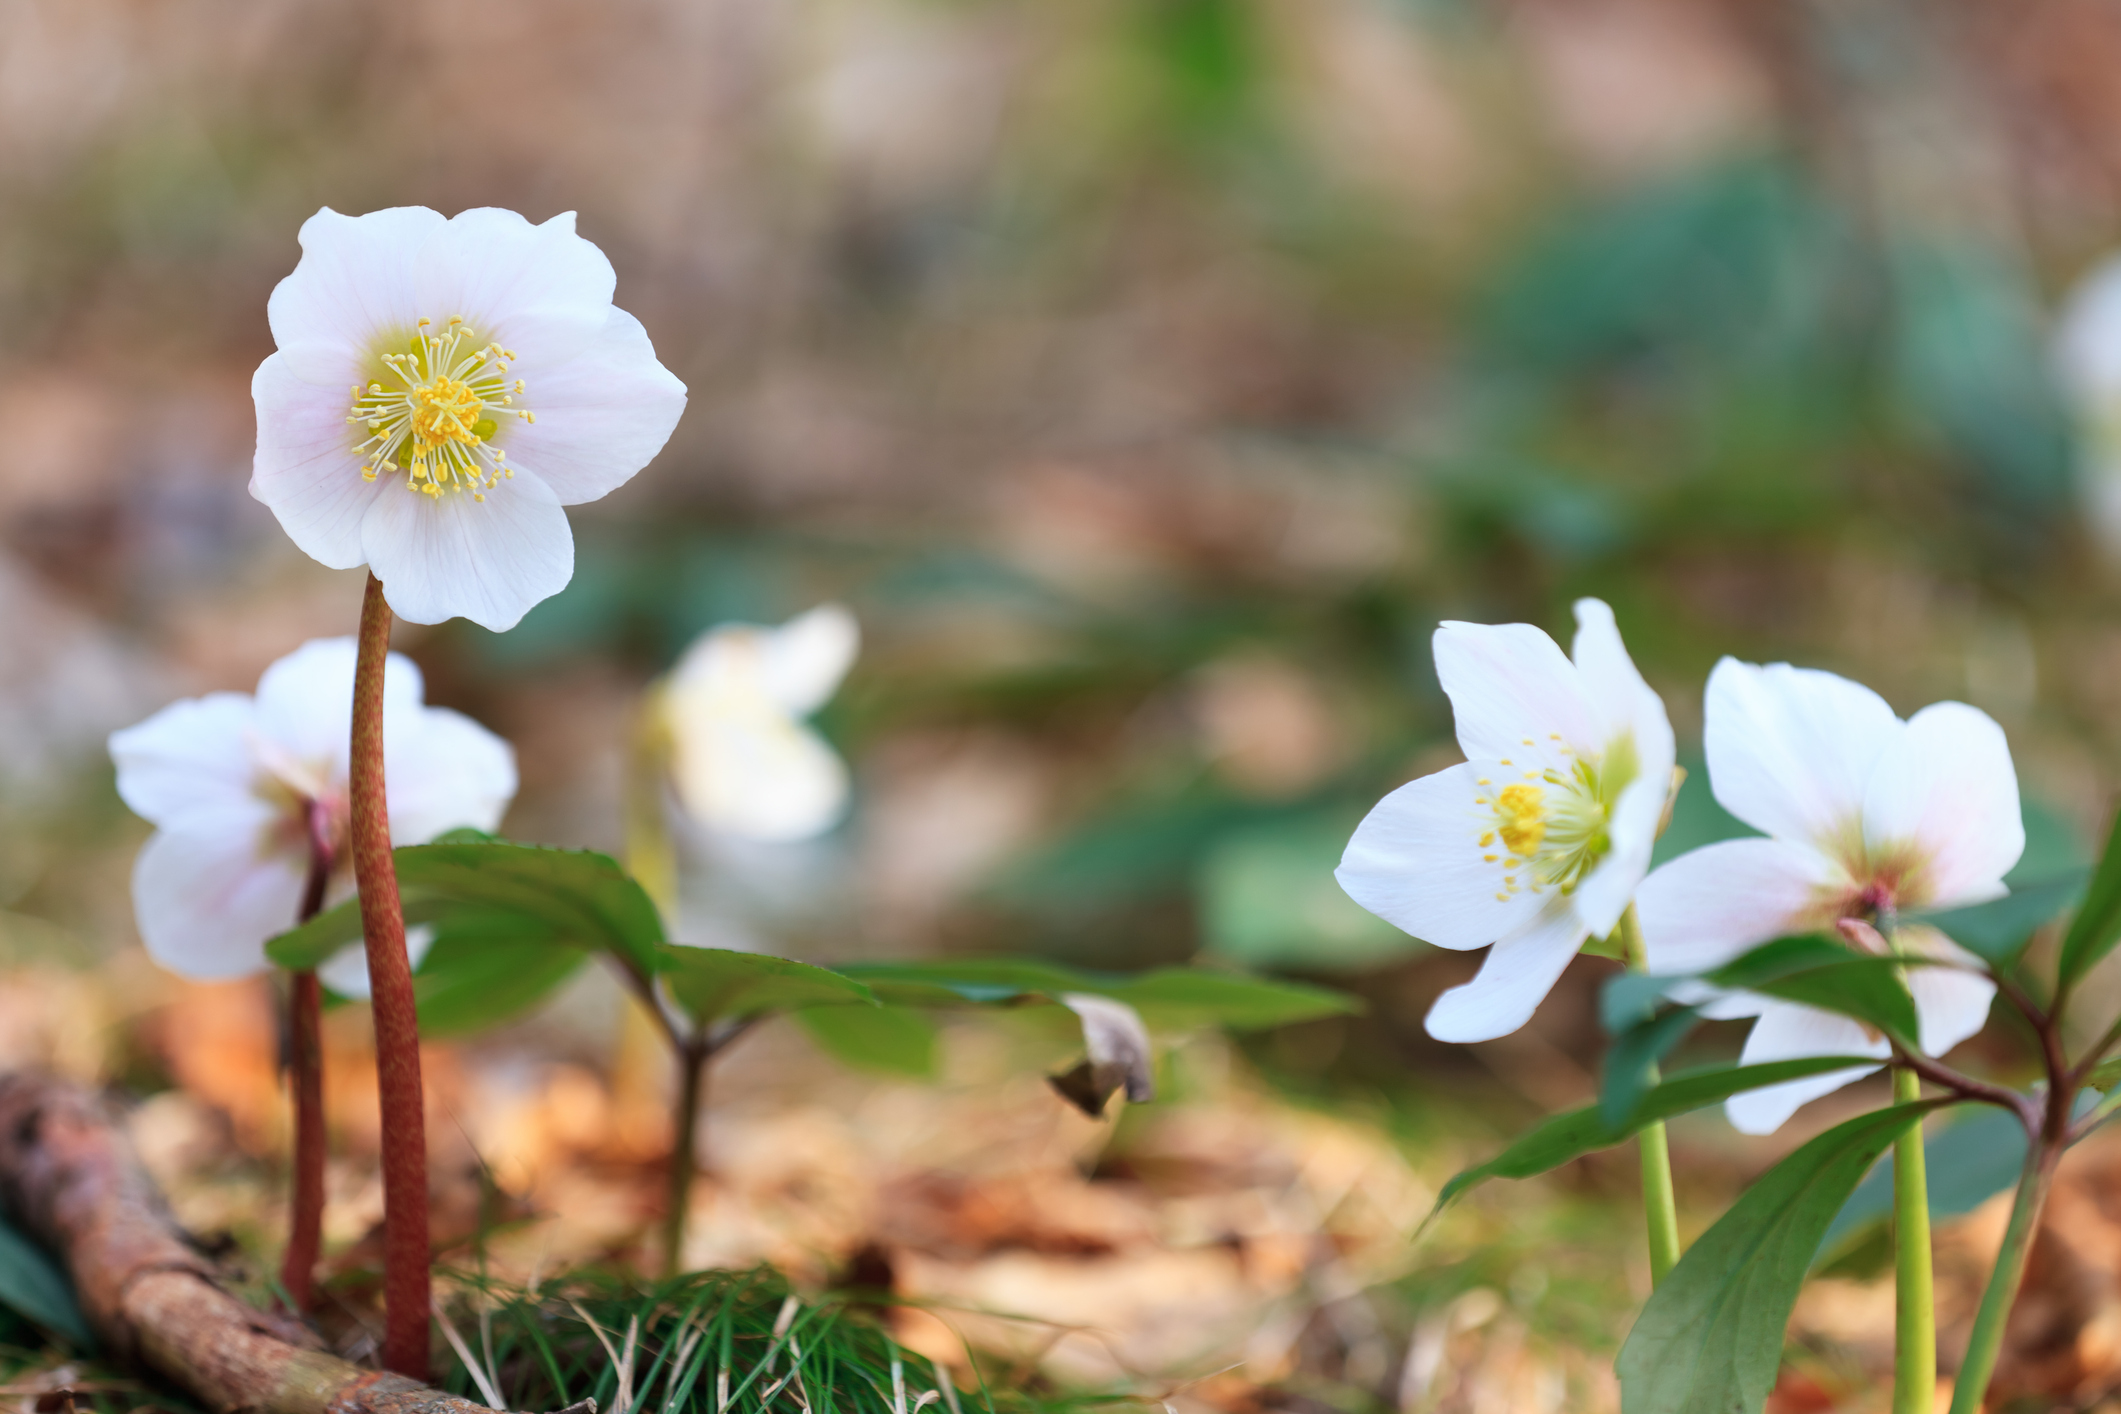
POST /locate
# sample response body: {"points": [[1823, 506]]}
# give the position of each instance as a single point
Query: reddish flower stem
{"points": [[305, 1065], [407, 1289]]}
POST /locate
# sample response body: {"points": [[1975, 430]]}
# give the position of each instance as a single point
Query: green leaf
{"points": [[1268, 899], [891, 1039], [1632, 1061], [1167, 996], [1998, 931], [2097, 926], [1711, 1336], [486, 966], [35, 1289], [719, 984], [585, 898], [1822, 973], [1968, 1163], [1572, 1135]]}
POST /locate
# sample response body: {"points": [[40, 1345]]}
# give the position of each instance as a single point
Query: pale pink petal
{"points": [[1417, 861], [1710, 905], [305, 469], [206, 903], [1790, 750], [1511, 689], [1787, 1031], [1944, 798], [541, 292], [1514, 979], [354, 285], [446, 772], [448, 556], [191, 765], [602, 416]]}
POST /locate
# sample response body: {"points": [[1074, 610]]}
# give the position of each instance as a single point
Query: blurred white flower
{"points": [[1538, 840], [442, 388], [238, 787], [2088, 363], [346, 971], [1866, 816], [744, 762]]}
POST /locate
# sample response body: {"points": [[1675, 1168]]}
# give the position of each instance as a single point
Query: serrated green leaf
{"points": [[1711, 1336], [721, 984], [33, 1287], [2097, 926], [895, 1040], [1579, 1132], [1998, 931], [1166, 996]]}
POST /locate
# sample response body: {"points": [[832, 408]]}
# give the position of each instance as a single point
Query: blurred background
{"points": [[1149, 376]]}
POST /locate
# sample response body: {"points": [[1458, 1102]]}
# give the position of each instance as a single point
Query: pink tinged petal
{"points": [[1710, 905], [305, 469], [356, 280], [1509, 684], [759, 777], [192, 765], [346, 971], [1787, 1031], [601, 416], [206, 903], [1416, 861], [448, 556], [1946, 794], [1604, 893], [540, 291], [1514, 979], [803, 660], [446, 772], [1790, 750], [1623, 703]]}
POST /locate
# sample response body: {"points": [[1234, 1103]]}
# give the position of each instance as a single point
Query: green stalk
{"points": [[1986, 1342], [1914, 1292], [1660, 1208]]}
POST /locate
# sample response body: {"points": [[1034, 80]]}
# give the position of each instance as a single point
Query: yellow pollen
{"points": [[1487, 839], [435, 412], [1490, 858], [1521, 813]]}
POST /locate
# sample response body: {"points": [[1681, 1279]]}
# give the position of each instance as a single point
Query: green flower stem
{"points": [[684, 1151], [1659, 1206], [1915, 1303], [1986, 1342]]}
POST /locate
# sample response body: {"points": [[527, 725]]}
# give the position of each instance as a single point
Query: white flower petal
{"points": [[445, 772], [305, 470], [448, 556], [1951, 1003], [1711, 904], [1790, 750], [206, 903], [355, 281], [1605, 892], [2088, 333], [305, 703], [1416, 861], [1623, 703], [1787, 1031], [191, 765], [1509, 683], [759, 775], [1945, 794], [1514, 979], [802, 661], [346, 971], [541, 291], [602, 416]]}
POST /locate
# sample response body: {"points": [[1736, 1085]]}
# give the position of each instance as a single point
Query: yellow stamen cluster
{"points": [[437, 426], [1551, 823]]}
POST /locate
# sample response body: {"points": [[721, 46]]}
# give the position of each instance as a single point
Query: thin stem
{"points": [[1986, 1342], [305, 1067], [1659, 1205], [1914, 1292], [1968, 1088], [684, 1156], [407, 1288], [651, 854]]}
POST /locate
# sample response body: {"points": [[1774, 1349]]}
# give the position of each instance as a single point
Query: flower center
{"points": [[1548, 828], [437, 423]]}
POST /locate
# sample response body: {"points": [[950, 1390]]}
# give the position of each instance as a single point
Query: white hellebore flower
{"points": [[1538, 840], [1866, 816], [2088, 364], [238, 787], [744, 762], [442, 388]]}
